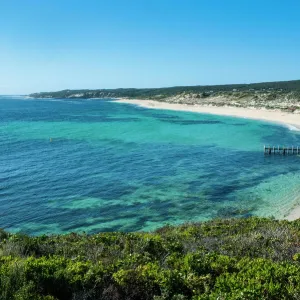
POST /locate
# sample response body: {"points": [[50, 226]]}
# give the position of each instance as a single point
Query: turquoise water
{"points": [[113, 167]]}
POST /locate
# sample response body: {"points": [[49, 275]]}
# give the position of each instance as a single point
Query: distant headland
{"points": [[281, 95]]}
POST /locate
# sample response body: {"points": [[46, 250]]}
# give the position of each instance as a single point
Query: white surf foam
{"points": [[292, 127]]}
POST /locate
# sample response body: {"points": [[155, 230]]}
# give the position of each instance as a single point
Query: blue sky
{"points": [[53, 45]]}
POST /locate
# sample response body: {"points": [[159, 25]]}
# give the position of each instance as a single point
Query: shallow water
{"points": [[96, 165]]}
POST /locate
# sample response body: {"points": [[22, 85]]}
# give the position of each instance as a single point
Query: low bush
{"points": [[250, 258]]}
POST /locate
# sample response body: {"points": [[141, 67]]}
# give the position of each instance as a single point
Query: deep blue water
{"points": [[96, 165]]}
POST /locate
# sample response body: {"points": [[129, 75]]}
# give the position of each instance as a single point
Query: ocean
{"points": [[96, 165]]}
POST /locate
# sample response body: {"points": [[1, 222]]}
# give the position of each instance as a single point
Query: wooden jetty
{"points": [[283, 150]]}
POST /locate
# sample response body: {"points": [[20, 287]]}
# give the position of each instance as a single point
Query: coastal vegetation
{"points": [[252, 258], [282, 95]]}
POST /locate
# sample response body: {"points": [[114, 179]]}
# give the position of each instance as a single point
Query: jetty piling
{"points": [[283, 150]]}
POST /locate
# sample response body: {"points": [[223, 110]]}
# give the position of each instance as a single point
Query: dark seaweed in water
{"points": [[118, 167]]}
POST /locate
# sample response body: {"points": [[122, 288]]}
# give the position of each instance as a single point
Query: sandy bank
{"points": [[274, 116], [294, 214]]}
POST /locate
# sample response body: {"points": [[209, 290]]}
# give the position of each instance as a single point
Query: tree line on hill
{"points": [[149, 93]]}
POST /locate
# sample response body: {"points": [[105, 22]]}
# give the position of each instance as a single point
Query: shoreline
{"points": [[290, 120], [293, 214]]}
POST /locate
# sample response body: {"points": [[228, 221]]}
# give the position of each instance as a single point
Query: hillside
{"points": [[283, 95], [250, 258]]}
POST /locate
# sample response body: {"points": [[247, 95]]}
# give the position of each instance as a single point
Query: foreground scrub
{"points": [[223, 259]]}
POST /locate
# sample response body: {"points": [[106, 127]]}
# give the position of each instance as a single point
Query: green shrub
{"points": [[251, 258]]}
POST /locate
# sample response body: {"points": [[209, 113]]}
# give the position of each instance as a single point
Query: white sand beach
{"points": [[274, 116], [294, 214]]}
